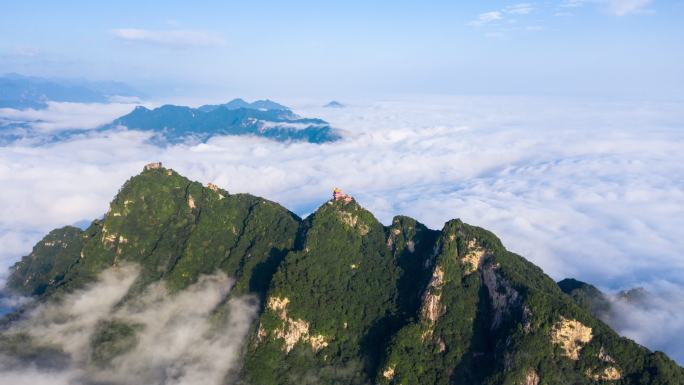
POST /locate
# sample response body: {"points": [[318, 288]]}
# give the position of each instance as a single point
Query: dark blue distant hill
{"points": [[334, 104], [240, 103], [20, 92], [175, 124]]}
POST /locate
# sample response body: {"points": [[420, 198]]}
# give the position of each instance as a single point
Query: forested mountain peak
{"points": [[337, 297]]}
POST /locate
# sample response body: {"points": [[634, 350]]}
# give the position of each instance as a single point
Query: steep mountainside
{"points": [[587, 296], [338, 298], [176, 229]]}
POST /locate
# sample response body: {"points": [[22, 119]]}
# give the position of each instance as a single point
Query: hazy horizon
{"points": [[609, 48]]}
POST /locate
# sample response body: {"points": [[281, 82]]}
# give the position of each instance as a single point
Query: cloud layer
{"points": [[61, 115], [589, 189], [653, 317]]}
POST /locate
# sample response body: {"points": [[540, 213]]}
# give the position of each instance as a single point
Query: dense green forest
{"points": [[342, 299]]}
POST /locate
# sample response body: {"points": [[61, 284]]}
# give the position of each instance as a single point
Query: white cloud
{"points": [[583, 188], [172, 38], [486, 18], [626, 7], [519, 9], [492, 17], [615, 7], [573, 3]]}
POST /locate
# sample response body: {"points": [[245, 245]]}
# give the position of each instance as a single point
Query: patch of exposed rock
{"points": [[394, 233], [503, 296], [527, 319], [388, 373], [291, 331], [352, 221], [531, 377], [571, 336], [603, 356], [432, 306], [473, 258], [607, 374], [215, 189]]}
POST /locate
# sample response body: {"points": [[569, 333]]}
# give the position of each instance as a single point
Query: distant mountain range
{"points": [[168, 123], [21, 92], [240, 103], [171, 124], [265, 118]]}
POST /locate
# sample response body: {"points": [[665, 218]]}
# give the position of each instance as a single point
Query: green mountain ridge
{"points": [[587, 296], [342, 299]]}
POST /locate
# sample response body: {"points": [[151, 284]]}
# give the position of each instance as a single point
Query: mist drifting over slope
{"points": [[178, 338]]}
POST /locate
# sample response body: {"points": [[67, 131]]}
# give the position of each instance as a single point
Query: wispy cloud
{"points": [[614, 7], [573, 3], [171, 38], [626, 7], [519, 9], [486, 18], [508, 12]]}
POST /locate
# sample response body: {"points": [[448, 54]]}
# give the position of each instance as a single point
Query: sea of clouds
{"points": [[590, 189]]}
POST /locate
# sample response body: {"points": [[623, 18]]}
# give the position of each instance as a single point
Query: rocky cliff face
{"points": [[336, 298]]}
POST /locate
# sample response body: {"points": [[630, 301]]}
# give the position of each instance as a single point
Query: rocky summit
{"points": [[185, 283]]}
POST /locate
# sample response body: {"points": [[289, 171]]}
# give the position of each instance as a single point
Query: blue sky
{"points": [[630, 48]]}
